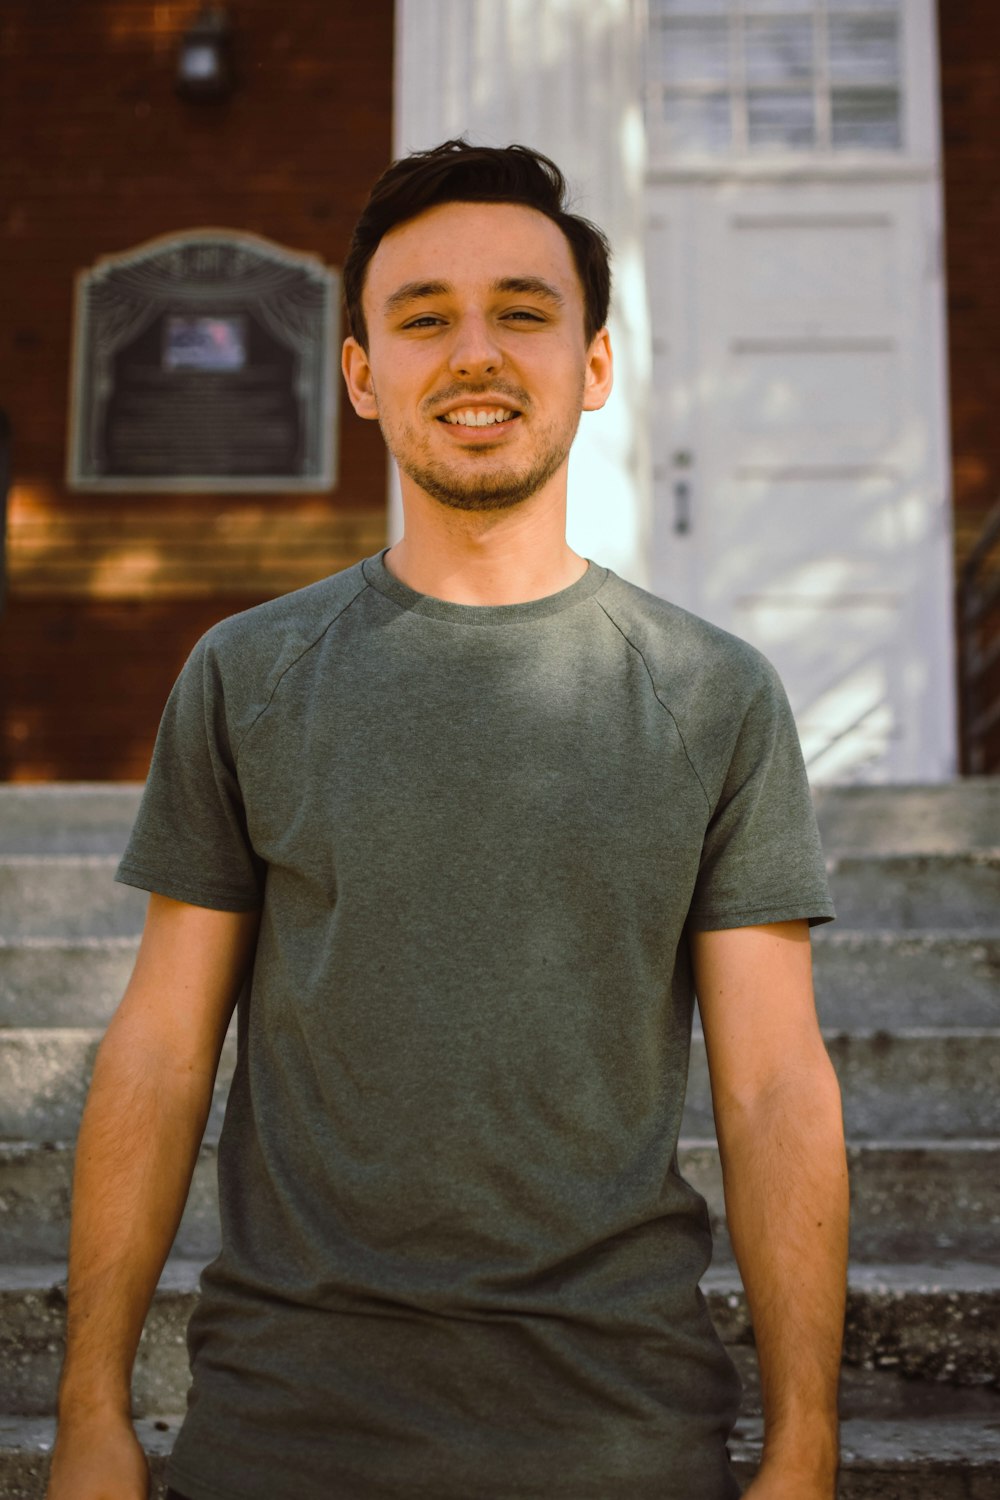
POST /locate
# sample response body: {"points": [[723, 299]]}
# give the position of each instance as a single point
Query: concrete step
{"points": [[914, 1201], [74, 895], [907, 892], [864, 980], [67, 896], [45, 1074], [895, 1457], [919, 1083], [916, 953], [67, 817], [907, 1459], [944, 819], [95, 817], [895, 1084], [926, 1323], [35, 1194], [870, 980], [47, 981], [929, 1322], [881, 1391], [922, 1201]]}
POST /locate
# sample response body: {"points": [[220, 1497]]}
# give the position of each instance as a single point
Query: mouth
{"points": [[476, 418]]}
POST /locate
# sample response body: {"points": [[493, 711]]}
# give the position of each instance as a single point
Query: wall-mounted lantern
{"points": [[204, 62]]}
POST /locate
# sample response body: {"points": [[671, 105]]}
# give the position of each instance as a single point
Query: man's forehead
{"points": [[495, 246]]}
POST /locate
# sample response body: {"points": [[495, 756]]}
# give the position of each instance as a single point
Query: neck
{"points": [[491, 557]]}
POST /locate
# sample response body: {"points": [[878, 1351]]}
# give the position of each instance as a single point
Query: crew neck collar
{"points": [[378, 576]]}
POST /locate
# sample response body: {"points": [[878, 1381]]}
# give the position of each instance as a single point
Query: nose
{"points": [[475, 350]]}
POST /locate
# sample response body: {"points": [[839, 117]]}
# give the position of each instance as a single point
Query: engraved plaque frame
{"points": [[204, 362]]}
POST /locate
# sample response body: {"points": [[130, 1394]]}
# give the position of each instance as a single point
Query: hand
{"points": [[97, 1458]]}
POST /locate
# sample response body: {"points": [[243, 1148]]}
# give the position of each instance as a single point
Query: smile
{"points": [[478, 416]]}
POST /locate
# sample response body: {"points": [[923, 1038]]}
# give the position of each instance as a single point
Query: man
{"points": [[477, 816]]}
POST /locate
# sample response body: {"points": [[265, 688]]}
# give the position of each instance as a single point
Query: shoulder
{"points": [[290, 623], [239, 662], [725, 697], [686, 656]]}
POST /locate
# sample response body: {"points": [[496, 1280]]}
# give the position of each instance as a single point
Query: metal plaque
{"points": [[205, 361]]}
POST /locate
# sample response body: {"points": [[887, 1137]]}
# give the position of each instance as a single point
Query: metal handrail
{"points": [[979, 652]]}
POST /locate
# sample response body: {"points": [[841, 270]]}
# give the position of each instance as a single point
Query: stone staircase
{"points": [[908, 982]]}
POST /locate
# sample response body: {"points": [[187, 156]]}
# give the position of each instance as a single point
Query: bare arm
{"points": [[139, 1138], [778, 1118]]}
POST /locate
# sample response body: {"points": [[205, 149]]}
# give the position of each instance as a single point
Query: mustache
{"points": [[514, 394]]}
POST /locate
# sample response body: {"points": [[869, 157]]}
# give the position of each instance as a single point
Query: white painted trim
{"points": [[403, 62], [394, 519], [923, 126], [563, 77], [922, 81], [939, 604], [866, 167]]}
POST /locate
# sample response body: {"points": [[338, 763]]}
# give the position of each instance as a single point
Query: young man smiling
{"points": [[480, 816]]}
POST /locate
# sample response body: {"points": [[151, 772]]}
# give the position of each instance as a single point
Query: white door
{"points": [[800, 446]]}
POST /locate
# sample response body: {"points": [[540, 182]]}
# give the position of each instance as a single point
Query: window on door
{"points": [[746, 77]]}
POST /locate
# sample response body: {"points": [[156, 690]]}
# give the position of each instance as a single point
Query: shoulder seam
{"points": [[293, 663], [665, 706]]}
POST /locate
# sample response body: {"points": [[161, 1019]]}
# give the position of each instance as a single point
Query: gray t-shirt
{"points": [[459, 1261]]}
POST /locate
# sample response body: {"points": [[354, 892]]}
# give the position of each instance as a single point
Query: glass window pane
{"points": [[691, 51], [779, 51], [697, 122], [866, 119], [786, 119], [864, 50], [688, 8], [780, 7]]}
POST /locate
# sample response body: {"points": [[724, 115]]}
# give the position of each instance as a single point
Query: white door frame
{"points": [[565, 76], [685, 201]]}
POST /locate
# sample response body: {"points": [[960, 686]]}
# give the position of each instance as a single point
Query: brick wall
{"points": [[98, 155], [969, 32], [970, 82]]}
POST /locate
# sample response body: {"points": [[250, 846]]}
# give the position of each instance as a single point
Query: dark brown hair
{"points": [[456, 172]]}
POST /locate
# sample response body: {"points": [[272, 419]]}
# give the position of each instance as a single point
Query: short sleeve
{"points": [[190, 839], [762, 860]]}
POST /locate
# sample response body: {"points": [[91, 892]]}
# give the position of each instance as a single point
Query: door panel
{"points": [[792, 376]]}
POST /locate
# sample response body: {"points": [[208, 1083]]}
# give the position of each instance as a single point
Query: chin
{"points": [[491, 492]]}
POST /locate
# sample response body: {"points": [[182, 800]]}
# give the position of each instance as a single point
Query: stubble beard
{"points": [[492, 489], [495, 488]]}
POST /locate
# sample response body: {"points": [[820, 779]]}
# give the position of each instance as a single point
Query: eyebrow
{"points": [[531, 286], [417, 291]]}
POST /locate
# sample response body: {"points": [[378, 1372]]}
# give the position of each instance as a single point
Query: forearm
{"points": [[785, 1176], [138, 1142]]}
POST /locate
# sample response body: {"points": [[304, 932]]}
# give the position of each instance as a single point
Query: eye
{"points": [[425, 320], [525, 313]]}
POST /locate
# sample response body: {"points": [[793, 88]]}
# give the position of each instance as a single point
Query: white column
{"points": [[561, 76]]}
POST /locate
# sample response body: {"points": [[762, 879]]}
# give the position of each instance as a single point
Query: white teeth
{"points": [[473, 417]]}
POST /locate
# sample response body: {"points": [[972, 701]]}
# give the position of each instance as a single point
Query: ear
{"points": [[358, 378], [600, 372]]}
